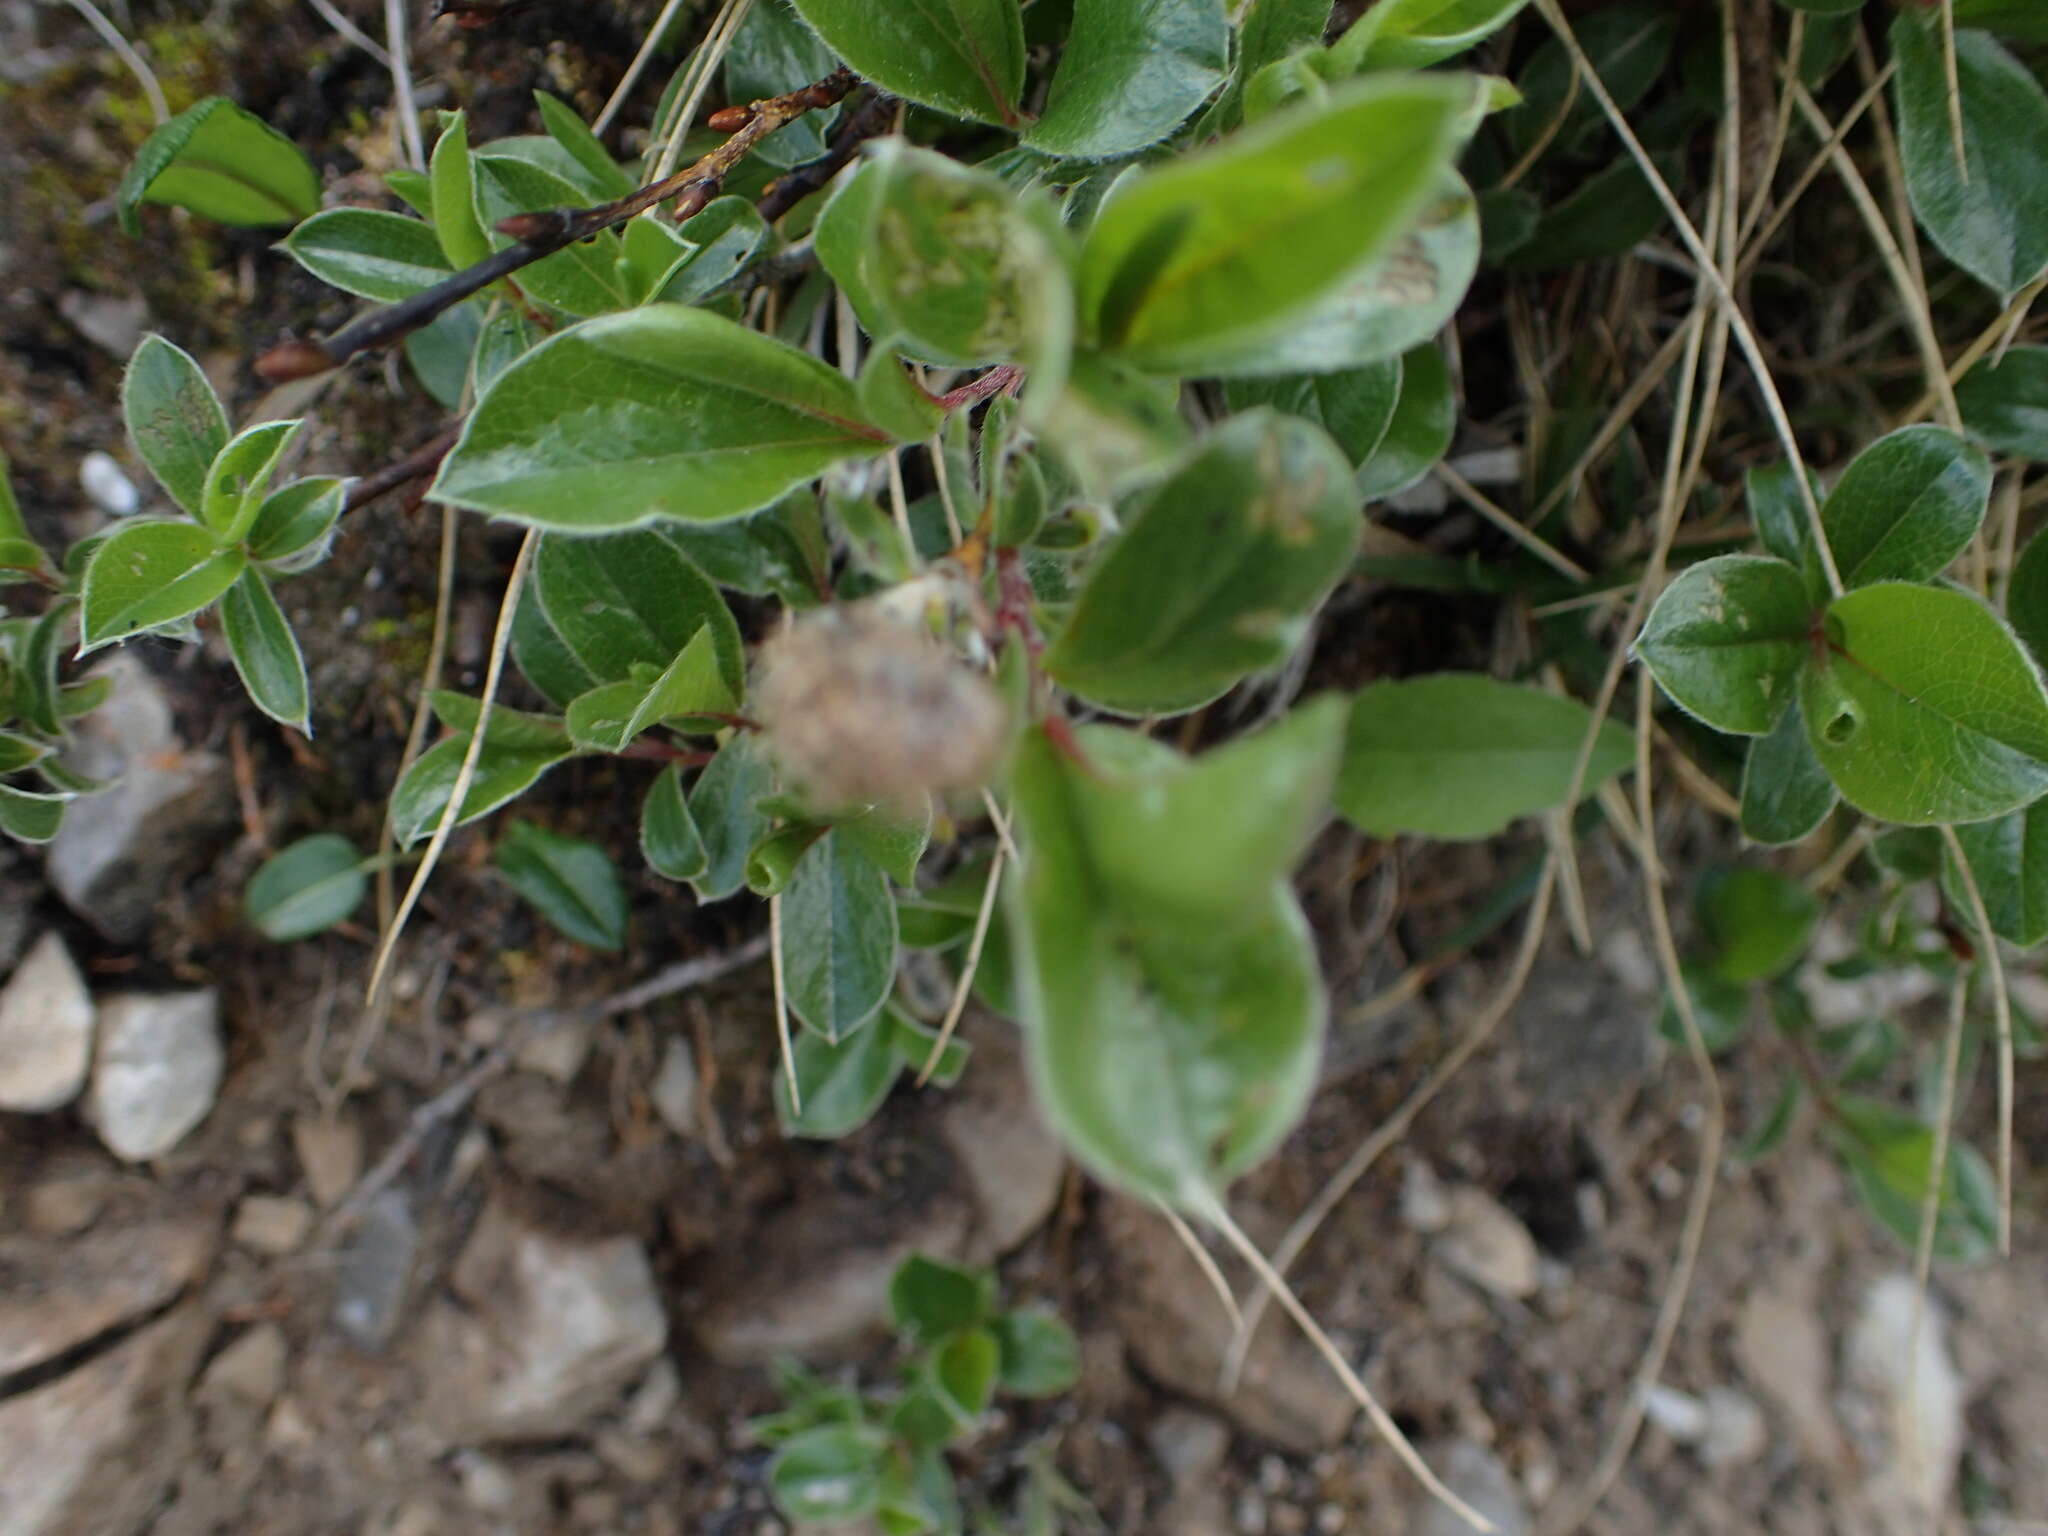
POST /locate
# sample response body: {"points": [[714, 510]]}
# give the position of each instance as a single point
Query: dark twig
{"points": [[540, 235], [866, 121], [417, 465]]}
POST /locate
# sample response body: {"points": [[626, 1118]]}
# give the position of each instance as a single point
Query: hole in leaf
{"points": [[1841, 726]]}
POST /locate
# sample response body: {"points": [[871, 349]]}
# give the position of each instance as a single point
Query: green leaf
{"points": [[2009, 857], [1925, 708], [223, 164], [892, 400], [1906, 506], [725, 805], [1355, 406], [1890, 1157], [688, 263], [841, 1083], [1786, 794], [611, 715], [953, 267], [370, 253], [1720, 1010], [1181, 267], [963, 57], [18, 752], [1267, 32], [1131, 72], [29, 816], [929, 1300], [1992, 223], [1113, 427], [773, 52], [567, 128], [1409, 34], [1726, 640], [175, 420], [294, 523], [1397, 301], [571, 882], [2015, 18], [239, 477], [892, 838], [838, 938], [1197, 840], [1167, 1055], [2026, 597], [1768, 1134], [665, 411], [1783, 525], [1460, 755], [964, 1368], [1757, 920], [37, 698], [1629, 46], [581, 279], [833, 1472], [2005, 403], [1218, 571], [453, 179], [1419, 433], [632, 599], [413, 188], [668, 833], [509, 764], [12, 529], [147, 575], [305, 888], [1606, 215], [440, 353], [1040, 1355], [265, 651]]}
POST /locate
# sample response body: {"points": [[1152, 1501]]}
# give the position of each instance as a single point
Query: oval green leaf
{"points": [[1786, 794], [1926, 709], [265, 651], [964, 57], [175, 420], [1131, 72], [305, 888], [368, 252], [572, 882], [838, 938], [223, 164], [1461, 755], [1726, 639], [2005, 403], [1182, 267], [1906, 506], [2009, 858], [665, 411], [146, 576], [1218, 571]]}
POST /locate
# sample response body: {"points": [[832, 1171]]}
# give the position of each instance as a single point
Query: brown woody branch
{"points": [[540, 235], [418, 464], [868, 120]]}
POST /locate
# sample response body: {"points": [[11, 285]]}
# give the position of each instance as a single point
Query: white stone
{"points": [[1679, 1414], [1486, 1244], [330, 1149], [675, 1089], [1736, 1431], [45, 1030], [158, 1070], [250, 1370], [1424, 1205], [1476, 1475], [272, 1224], [1914, 1380], [107, 485]]}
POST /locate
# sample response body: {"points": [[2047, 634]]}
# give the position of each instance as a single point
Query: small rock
{"points": [[675, 1089], [114, 325], [1476, 1475], [1425, 1207], [1189, 1445], [485, 1482], [107, 486], [45, 1030], [119, 857], [654, 1401], [66, 1204], [1250, 1514], [1013, 1164], [1679, 1414], [158, 1070], [1176, 1329], [272, 1224], [376, 1270], [559, 1051], [1484, 1242], [1735, 1429], [57, 1295], [1781, 1345], [93, 1450], [1913, 1379], [330, 1149], [249, 1371], [633, 1458], [559, 1324]]}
